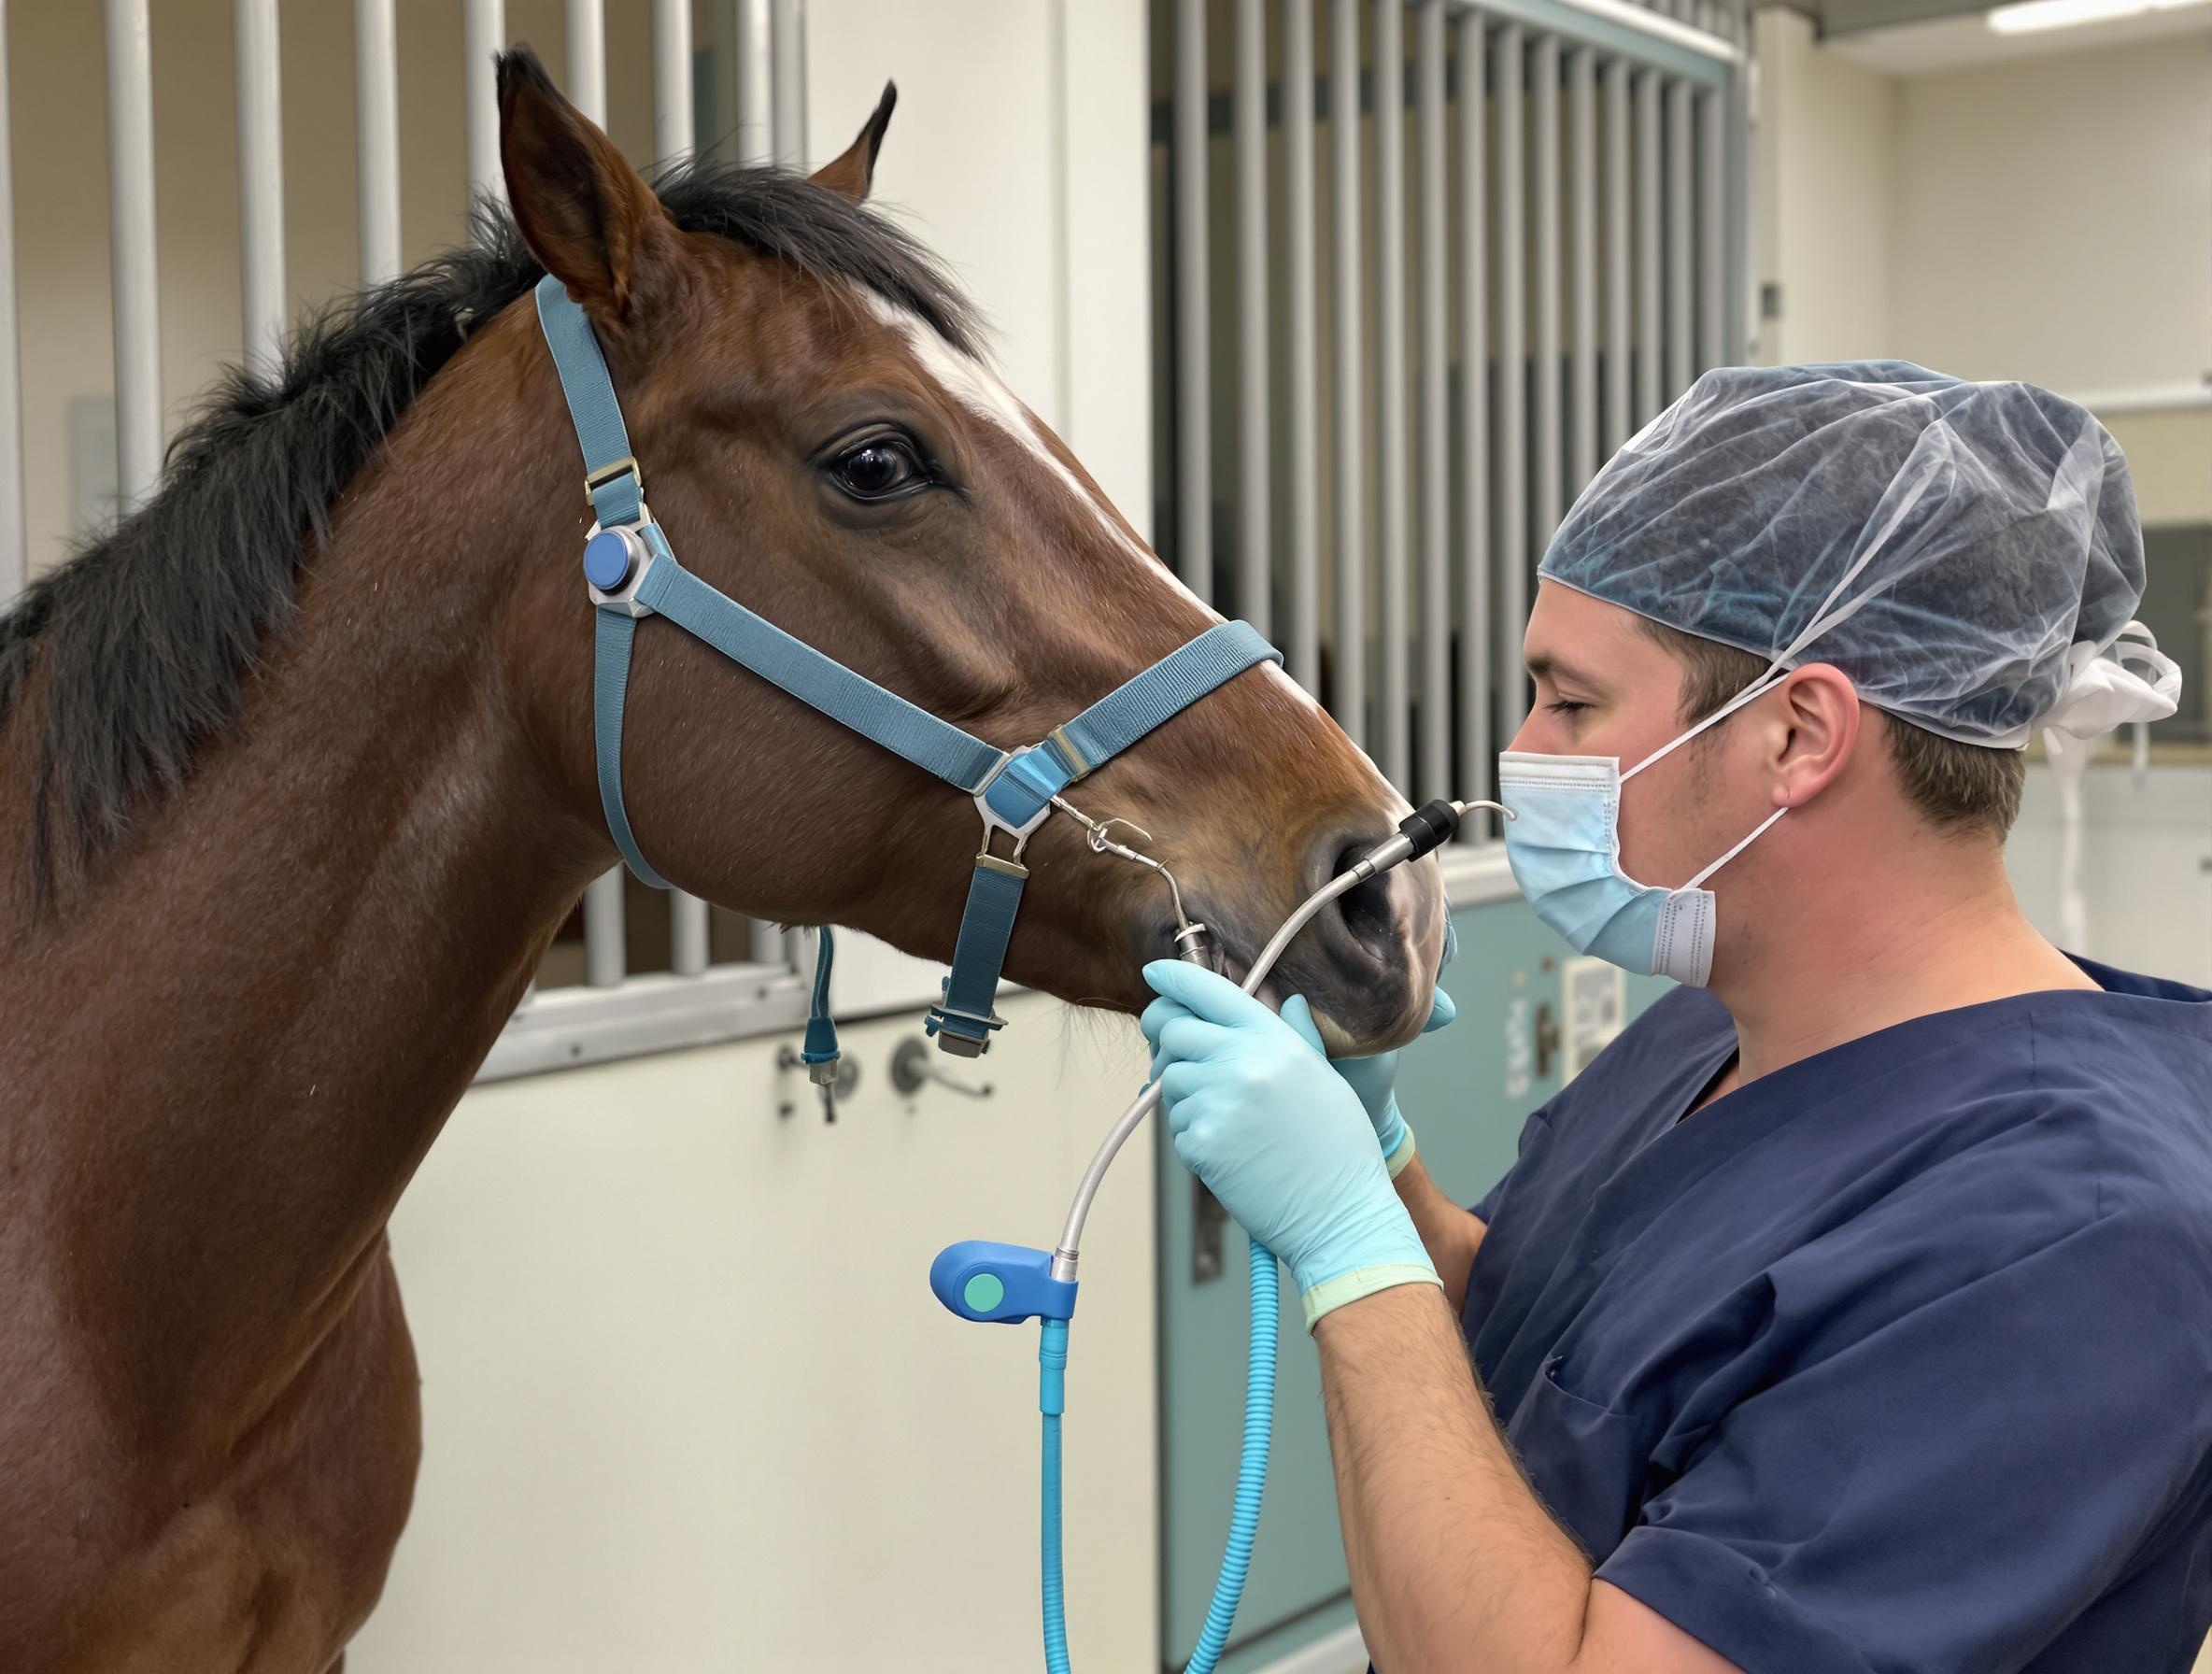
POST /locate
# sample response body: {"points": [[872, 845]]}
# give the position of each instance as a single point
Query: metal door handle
{"points": [[912, 1069]]}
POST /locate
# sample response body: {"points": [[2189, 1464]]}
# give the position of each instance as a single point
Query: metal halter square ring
{"points": [[1022, 777]]}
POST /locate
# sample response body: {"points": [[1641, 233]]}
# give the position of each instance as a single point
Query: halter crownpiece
{"points": [[630, 572]]}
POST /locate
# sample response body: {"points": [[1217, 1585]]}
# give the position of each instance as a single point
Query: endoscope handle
{"points": [[1000, 1283]]}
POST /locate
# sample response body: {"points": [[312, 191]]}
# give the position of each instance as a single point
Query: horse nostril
{"points": [[1366, 907]]}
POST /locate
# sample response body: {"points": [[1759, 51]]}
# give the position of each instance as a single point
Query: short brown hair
{"points": [[1959, 787]]}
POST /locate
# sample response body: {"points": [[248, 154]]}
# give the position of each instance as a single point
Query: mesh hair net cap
{"points": [[1968, 553]]}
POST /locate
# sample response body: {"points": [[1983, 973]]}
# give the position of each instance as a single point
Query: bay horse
{"points": [[296, 782]]}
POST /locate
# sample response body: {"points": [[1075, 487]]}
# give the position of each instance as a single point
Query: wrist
{"points": [[1379, 1250], [1395, 1136]]}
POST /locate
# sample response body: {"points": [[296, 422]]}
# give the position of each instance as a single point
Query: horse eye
{"points": [[878, 469]]}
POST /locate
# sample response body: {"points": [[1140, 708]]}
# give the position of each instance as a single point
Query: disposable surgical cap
{"points": [[1968, 554]]}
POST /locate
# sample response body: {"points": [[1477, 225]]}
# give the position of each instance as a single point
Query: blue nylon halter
{"points": [[630, 572]]}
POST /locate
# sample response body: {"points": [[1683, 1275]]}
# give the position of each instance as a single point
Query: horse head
{"points": [[822, 439]]}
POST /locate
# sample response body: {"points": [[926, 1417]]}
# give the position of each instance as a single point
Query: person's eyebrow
{"points": [[1544, 666]]}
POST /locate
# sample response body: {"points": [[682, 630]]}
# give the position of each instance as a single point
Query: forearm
{"points": [[1455, 1563], [1451, 1233]]}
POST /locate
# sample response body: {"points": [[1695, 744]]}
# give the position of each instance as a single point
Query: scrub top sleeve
{"points": [[1948, 1484]]}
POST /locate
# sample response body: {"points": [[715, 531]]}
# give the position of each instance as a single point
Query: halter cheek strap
{"points": [[630, 572]]}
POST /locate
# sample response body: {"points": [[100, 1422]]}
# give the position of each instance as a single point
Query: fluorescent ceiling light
{"points": [[2033, 15]]}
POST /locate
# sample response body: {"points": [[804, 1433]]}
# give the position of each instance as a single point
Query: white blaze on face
{"points": [[981, 390]]}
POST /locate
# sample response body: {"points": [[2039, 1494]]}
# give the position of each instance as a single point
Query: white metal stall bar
{"points": [[759, 42], [673, 135], [1620, 351], [1543, 78], [606, 960], [1649, 371], [1254, 557], [1582, 265], [1304, 484], [1392, 483], [1435, 779], [788, 56], [14, 525], [1348, 688], [1510, 470], [756, 83], [260, 182], [483, 33], [673, 138], [586, 83], [1194, 401], [131, 232], [1681, 229], [1476, 767], [376, 139], [1712, 230]]}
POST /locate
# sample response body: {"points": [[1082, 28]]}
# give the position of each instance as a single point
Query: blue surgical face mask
{"points": [[1563, 845]]}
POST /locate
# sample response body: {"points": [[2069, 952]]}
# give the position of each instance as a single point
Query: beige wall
{"points": [[2053, 218], [689, 1404], [1827, 128], [2048, 218]]}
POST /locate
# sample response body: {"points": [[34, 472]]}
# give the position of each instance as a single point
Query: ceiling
{"points": [[1907, 38]]}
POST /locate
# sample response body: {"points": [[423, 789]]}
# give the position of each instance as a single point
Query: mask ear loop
{"points": [[1776, 674], [1774, 677], [1758, 832]]}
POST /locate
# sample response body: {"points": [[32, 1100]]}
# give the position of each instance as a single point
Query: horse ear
{"points": [[851, 173], [582, 209]]}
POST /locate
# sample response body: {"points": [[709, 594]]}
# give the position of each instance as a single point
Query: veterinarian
{"points": [[1853, 1310]]}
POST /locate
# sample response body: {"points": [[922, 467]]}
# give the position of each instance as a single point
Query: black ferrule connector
{"points": [[1429, 826]]}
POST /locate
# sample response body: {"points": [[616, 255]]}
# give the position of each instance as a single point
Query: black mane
{"points": [[149, 634]]}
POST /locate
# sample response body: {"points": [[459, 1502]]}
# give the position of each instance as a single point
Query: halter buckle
{"points": [[626, 465]]}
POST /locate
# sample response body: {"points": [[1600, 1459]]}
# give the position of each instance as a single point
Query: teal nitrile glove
{"points": [[1375, 1079], [1279, 1137]]}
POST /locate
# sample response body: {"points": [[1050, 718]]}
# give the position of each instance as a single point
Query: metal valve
{"points": [[837, 1081], [912, 1069]]}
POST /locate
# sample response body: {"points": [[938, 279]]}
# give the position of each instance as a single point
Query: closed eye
{"points": [[1565, 706]]}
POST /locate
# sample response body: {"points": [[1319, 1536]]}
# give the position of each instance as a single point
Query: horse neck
{"points": [[238, 1045]]}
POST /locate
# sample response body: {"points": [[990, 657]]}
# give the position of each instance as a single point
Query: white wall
{"points": [[690, 1406], [2052, 218], [1825, 163], [2045, 218], [2145, 866]]}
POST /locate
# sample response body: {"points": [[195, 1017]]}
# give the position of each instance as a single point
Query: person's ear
{"points": [[853, 172], [1815, 731], [581, 208]]}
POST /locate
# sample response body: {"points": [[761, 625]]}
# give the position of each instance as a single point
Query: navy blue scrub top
{"points": [[1899, 1358]]}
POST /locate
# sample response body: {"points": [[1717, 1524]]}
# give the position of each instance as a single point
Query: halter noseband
{"points": [[630, 572]]}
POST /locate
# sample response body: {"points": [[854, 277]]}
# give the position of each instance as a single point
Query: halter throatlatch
{"points": [[630, 572]]}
